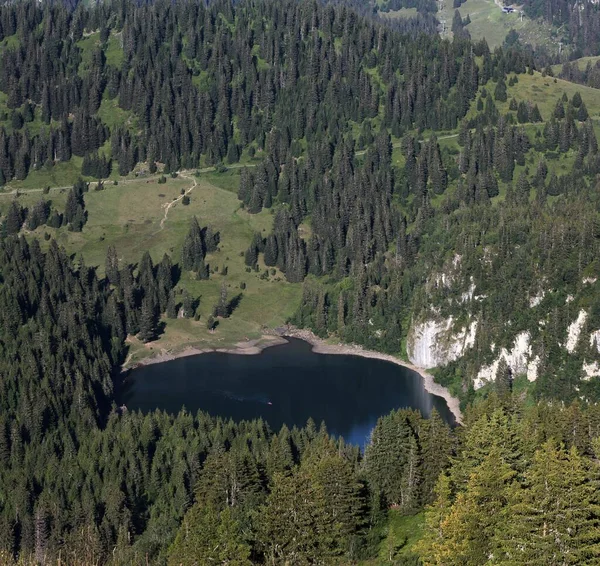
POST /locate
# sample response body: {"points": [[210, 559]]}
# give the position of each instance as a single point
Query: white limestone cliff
{"points": [[591, 370], [574, 331], [518, 359], [434, 343]]}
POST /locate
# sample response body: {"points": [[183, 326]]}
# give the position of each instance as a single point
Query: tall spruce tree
{"points": [[554, 515]]}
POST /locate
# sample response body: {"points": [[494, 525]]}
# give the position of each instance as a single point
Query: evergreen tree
{"points": [[437, 446], [431, 547], [222, 309], [148, 322], [14, 218], [112, 265], [75, 215], [503, 379], [393, 460], [188, 305], [500, 91], [467, 530], [171, 308], [309, 514], [209, 536], [553, 517], [193, 248]]}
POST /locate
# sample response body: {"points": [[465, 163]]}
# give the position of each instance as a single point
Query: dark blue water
{"points": [[284, 384]]}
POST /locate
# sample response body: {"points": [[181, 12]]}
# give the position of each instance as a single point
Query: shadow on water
{"points": [[287, 384]]}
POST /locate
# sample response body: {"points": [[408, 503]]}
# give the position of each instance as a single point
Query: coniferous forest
{"points": [[399, 181]]}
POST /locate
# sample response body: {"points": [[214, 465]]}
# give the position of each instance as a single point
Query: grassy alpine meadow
{"points": [[545, 92], [129, 216], [401, 13], [132, 217], [61, 175], [580, 63], [113, 51], [490, 23]]}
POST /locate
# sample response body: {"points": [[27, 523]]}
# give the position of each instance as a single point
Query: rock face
{"points": [[518, 359], [532, 368], [536, 300], [433, 343], [595, 337], [437, 340], [574, 331], [591, 370]]}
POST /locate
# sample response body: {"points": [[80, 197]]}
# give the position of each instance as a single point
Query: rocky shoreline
{"points": [[320, 346]]}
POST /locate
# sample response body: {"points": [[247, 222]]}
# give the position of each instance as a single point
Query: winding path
{"points": [[168, 206]]}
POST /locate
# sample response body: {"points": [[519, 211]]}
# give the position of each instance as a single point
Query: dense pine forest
{"points": [[436, 200]]}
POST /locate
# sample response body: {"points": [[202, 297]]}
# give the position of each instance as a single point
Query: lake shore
{"points": [[320, 346], [246, 348]]}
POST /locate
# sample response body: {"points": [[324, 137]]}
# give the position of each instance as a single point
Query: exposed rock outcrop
{"points": [[574, 331], [434, 343], [536, 299], [518, 359], [595, 337], [591, 370]]}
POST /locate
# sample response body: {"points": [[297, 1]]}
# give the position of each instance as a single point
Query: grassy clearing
{"points": [[113, 51], [490, 23], [545, 92], [581, 63], [87, 46], [403, 533], [6, 115], [57, 199], [228, 181], [62, 174], [128, 216], [112, 115], [261, 63], [10, 42]]}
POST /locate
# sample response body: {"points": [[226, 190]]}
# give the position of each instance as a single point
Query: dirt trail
{"points": [[168, 206]]}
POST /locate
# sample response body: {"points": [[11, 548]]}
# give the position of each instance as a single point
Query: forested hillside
{"points": [[579, 20], [176, 173]]}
